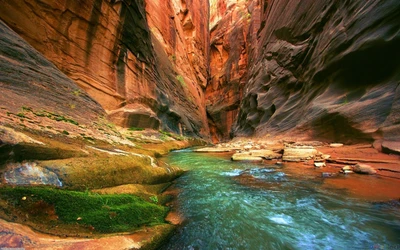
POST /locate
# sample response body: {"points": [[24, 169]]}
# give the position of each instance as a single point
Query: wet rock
{"points": [[299, 154], [364, 169], [29, 173]]}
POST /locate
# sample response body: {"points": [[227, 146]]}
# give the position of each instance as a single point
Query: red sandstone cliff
{"points": [[108, 48], [229, 25], [316, 69], [323, 70]]}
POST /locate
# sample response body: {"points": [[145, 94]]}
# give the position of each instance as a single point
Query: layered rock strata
{"points": [[229, 25], [148, 76], [28, 81], [323, 69]]}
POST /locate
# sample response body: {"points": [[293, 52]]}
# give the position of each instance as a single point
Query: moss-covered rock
{"points": [[98, 213]]}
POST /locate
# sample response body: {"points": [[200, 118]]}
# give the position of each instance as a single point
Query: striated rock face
{"points": [[28, 80], [323, 69], [145, 62], [229, 24]]}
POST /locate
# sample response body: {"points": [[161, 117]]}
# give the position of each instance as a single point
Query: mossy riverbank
{"points": [[110, 185]]}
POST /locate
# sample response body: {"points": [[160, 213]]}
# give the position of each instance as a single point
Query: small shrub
{"points": [[21, 115], [65, 132]]}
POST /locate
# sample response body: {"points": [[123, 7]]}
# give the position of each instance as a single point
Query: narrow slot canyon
{"points": [[135, 124]]}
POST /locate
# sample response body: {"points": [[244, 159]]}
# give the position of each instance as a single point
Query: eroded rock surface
{"points": [[323, 69], [152, 53], [229, 24], [29, 81]]}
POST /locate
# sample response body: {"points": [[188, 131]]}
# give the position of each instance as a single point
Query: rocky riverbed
{"points": [[361, 169]]}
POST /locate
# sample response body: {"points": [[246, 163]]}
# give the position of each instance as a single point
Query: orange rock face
{"points": [[31, 83], [152, 55], [229, 24]]}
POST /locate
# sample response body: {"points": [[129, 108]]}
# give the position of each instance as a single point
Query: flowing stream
{"points": [[272, 209]]}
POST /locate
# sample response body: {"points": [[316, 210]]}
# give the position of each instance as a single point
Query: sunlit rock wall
{"points": [[108, 48], [29, 81], [323, 69], [229, 26]]}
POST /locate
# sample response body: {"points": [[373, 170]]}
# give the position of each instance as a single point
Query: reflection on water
{"points": [[230, 205]]}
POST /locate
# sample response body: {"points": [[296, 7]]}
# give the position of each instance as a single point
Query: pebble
{"points": [[319, 164]]}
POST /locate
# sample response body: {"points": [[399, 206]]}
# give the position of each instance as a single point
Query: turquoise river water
{"points": [[284, 211]]}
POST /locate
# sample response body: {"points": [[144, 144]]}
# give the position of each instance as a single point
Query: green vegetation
{"points": [[24, 108], [154, 199], [104, 213], [65, 132], [47, 114], [135, 129], [181, 80], [165, 133]]}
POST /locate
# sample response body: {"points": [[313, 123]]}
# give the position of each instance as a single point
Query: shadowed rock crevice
{"points": [[324, 63]]}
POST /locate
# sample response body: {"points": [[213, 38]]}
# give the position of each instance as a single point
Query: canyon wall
{"points": [[229, 25], [323, 70], [145, 62], [28, 81]]}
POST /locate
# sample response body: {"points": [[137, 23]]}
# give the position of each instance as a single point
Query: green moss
{"points": [[65, 132], [135, 129], [21, 115], [106, 213]]}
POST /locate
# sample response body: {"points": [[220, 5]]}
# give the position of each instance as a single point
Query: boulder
{"points": [[299, 154], [256, 155], [364, 169], [245, 157]]}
